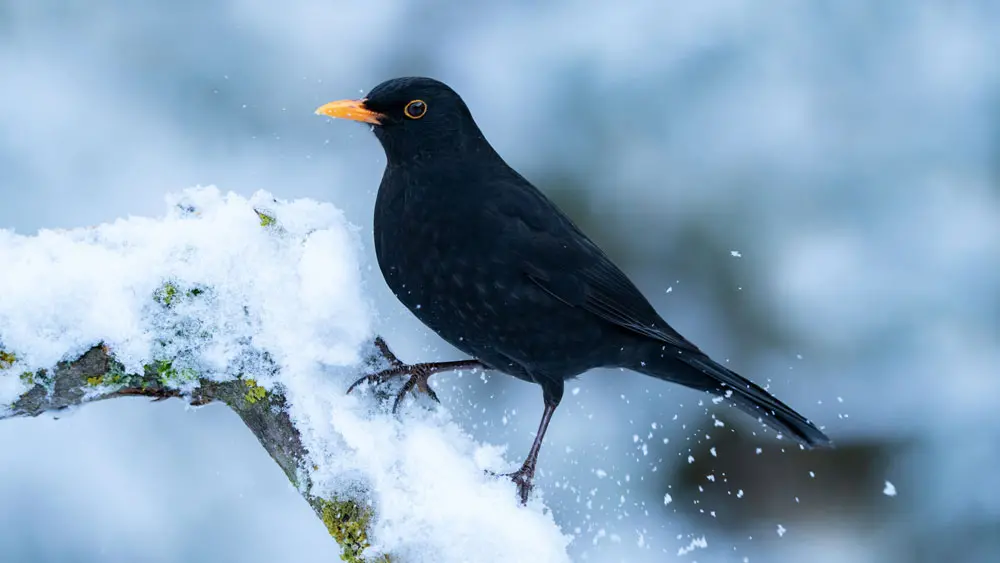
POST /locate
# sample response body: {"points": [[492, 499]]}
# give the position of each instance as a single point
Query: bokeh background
{"points": [[810, 190]]}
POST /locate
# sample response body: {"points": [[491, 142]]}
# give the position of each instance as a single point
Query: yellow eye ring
{"points": [[415, 109]]}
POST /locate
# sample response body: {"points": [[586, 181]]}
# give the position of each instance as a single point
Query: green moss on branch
{"points": [[7, 359], [254, 392], [348, 522]]}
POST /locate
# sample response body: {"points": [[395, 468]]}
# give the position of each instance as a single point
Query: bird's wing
{"points": [[557, 256]]}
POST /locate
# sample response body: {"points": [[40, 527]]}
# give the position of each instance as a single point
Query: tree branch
{"points": [[96, 376]]}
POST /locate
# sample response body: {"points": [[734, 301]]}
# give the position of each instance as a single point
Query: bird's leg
{"points": [[418, 373], [522, 477]]}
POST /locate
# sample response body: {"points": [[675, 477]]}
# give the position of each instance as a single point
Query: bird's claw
{"points": [[387, 353], [522, 478], [419, 374]]}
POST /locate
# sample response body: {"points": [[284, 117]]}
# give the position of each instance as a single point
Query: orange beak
{"points": [[354, 110]]}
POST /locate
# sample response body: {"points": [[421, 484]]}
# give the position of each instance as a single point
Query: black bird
{"points": [[486, 261]]}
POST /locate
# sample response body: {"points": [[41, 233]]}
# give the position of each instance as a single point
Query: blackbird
{"points": [[487, 262]]}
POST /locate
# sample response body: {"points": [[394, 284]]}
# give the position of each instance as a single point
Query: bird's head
{"points": [[412, 117]]}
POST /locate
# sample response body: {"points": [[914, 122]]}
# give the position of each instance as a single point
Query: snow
{"points": [[889, 490], [10, 389], [281, 303], [65, 291], [696, 543]]}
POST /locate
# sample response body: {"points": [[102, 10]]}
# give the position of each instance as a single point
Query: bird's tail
{"points": [[698, 371]]}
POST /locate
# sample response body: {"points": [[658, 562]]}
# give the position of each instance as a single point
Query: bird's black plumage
{"points": [[490, 264]]}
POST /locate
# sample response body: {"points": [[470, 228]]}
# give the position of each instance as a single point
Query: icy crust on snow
{"points": [[223, 285]]}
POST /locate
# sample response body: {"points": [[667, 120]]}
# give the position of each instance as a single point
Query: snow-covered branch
{"points": [[257, 304], [96, 376]]}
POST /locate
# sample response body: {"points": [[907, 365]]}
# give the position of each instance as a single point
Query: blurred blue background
{"points": [[849, 153]]}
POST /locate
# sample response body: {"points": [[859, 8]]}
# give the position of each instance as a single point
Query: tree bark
{"points": [[96, 376]]}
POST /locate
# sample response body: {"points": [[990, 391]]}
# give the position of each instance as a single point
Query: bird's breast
{"points": [[438, 263], [442, 264]]}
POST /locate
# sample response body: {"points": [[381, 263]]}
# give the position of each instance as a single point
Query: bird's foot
{"points": [[418, 373], [418, 377], [522, 478]]}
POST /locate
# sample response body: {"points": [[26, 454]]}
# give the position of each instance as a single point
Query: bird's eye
{"points": [[415, 109]]}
